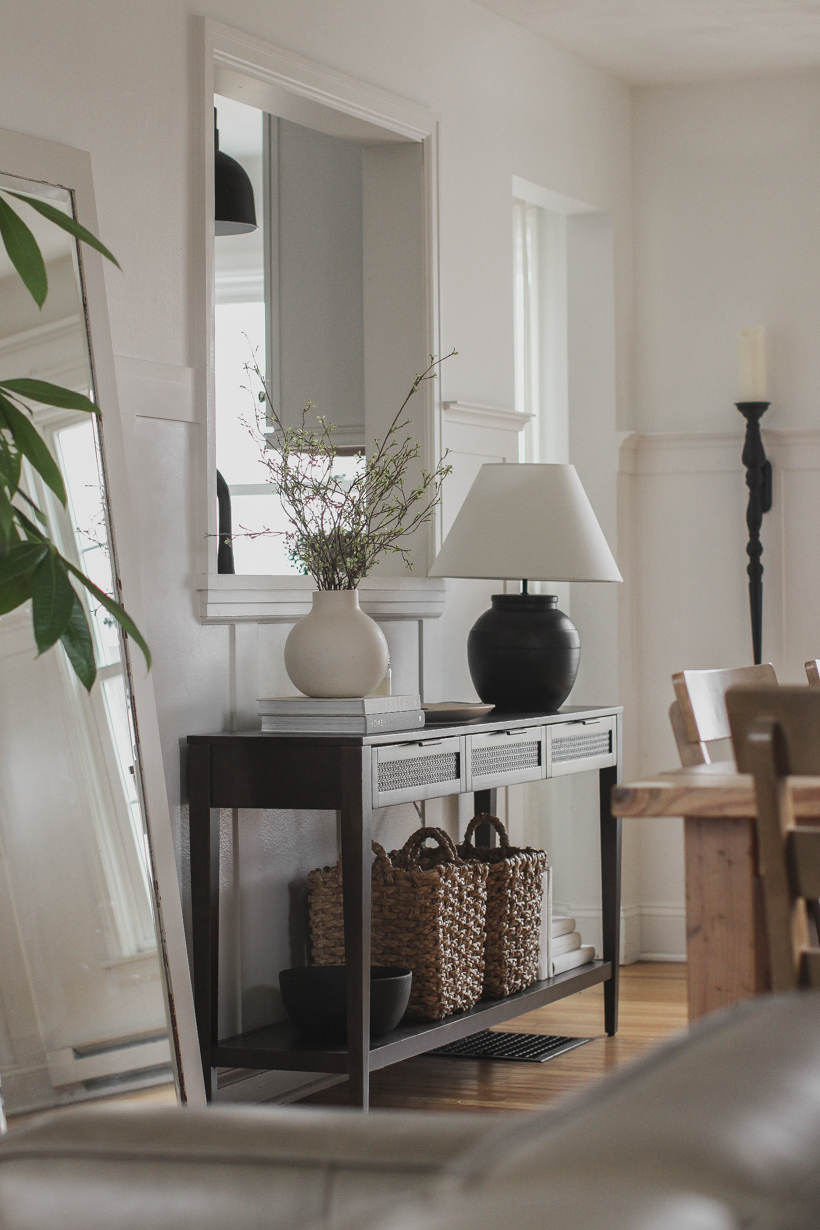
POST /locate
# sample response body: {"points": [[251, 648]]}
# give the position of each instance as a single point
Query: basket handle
{"points": [[486, 818], [381, 856], [413, 846]]}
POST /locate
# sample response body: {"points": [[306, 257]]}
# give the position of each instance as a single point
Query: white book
{"points": [[565, 943], [545, 933], [562, 925], [570, 960], [331, 706], [327, 724]]}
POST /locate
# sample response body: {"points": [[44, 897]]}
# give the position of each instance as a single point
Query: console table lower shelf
{"points": [[282, 1047]]}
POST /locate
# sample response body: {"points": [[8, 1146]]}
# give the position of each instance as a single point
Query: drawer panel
{"points": [[407, 772], [505, 757], [573, 747]]}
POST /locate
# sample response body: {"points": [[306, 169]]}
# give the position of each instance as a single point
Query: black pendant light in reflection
{"points": [[233, 194]]}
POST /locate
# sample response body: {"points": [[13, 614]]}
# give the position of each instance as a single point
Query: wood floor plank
{"points": [[652, 1006]]}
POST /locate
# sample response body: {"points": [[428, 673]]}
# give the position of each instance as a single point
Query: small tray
{"points": [[455, 711]]}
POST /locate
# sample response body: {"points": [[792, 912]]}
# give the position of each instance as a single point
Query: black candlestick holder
{"points": [[759, 482]]}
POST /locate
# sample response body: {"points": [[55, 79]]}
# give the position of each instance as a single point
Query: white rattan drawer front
{"points": [[505, 757], [573, 747], [405, 772]]}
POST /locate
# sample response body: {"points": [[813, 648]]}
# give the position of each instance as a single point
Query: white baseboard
{"points": [[649, 932]]}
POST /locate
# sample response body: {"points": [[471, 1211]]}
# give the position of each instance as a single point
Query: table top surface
{"points": [[705, 790], [431, 730]]}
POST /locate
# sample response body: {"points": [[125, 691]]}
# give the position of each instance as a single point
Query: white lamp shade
{"points": [[530, 522]]}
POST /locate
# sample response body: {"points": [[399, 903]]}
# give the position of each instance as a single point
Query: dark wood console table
{"points": [[352, 776]]}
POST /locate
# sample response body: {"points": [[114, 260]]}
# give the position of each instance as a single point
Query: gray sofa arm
{"points": [[729, 1111], [123, 1168]]}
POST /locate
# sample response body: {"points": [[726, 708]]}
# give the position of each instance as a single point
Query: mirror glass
{"points": [[290, 295], [82, 1007]]}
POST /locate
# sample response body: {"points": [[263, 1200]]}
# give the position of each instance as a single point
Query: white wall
{"points": [[727, 236], [119, 80], [318, 189]]}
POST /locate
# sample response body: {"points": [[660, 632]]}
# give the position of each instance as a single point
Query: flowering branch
{"points": [[342, 525]]}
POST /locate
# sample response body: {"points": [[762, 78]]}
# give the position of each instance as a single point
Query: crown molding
{"points": [[473, 415]]}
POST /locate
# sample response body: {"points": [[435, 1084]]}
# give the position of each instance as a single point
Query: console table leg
{"points": [[357, 859], [204, 842], [610, 895], [485, 803]]}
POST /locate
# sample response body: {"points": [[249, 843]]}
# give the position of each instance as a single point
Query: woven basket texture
{"points": [[514, 896], [429, 919]]}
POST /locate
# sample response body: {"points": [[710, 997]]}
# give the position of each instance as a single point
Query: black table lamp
{"points": [[526, 523]]}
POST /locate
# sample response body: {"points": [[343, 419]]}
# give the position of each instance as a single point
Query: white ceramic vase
{"points": [[336, 650]]}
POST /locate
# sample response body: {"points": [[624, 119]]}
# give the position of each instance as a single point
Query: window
{"points": [[540, 332]]}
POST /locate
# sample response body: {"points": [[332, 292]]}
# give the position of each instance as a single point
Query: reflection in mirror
{"points": [[291, 294], [82, 1010]]}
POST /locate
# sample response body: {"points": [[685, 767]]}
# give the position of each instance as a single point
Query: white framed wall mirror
{"points": [[335, 292], [95, 993]]}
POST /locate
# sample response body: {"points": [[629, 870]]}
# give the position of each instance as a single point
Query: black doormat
{"points": [[527, 1048]]}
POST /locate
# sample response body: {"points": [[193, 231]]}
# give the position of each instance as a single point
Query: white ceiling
{"points": [[656, 41]]}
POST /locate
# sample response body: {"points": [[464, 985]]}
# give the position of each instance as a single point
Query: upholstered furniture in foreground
{"points": [[718, 1129]]}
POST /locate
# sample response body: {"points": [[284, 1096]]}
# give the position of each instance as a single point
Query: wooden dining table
{"points": [[725, 935]]}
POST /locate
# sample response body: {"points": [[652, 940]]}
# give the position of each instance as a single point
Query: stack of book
{"points": [[560, 947], [312, 715], [566, 949]]}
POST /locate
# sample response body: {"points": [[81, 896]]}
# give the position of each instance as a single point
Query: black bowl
{"points": [[314, 997]]}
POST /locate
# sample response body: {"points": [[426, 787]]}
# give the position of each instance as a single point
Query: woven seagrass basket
{"points": [[514, 896], [429, 919]]}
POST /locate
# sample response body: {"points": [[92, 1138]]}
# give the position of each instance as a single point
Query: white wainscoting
{"points": [[682, 540]]}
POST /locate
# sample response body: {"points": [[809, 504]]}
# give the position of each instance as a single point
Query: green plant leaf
{"points": [[50, 394], [14, 593], [33, 507], [76, 641], [68, 224], [53, 600], [31, 529], [32, 445], [23, 252], [8, 532], [120, 614], [19, 558], [10, 461]]}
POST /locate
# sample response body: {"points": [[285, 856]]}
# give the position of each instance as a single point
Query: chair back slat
{"points": [[701, 696], [813, 670], [795, 710], [803, 855], [690, 753], [701, 717], [776, 735], [810, 969]]}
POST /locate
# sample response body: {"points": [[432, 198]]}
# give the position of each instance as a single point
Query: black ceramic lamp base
{"points": [[524, 654]]}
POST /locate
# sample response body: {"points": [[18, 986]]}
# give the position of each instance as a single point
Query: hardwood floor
{"points": [[652, 1006]]}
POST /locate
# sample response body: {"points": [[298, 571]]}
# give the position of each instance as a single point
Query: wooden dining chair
{"points": [[698, 714], [813, 670], [776, 738]]}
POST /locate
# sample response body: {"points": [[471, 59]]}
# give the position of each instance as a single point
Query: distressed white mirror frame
{"points": [[271, 79], [46, 162]]}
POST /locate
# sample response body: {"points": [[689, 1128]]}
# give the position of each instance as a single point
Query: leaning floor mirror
{"points": [[95, 993]]}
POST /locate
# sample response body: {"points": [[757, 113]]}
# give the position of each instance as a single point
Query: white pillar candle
{"points": [[751, 356]]}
